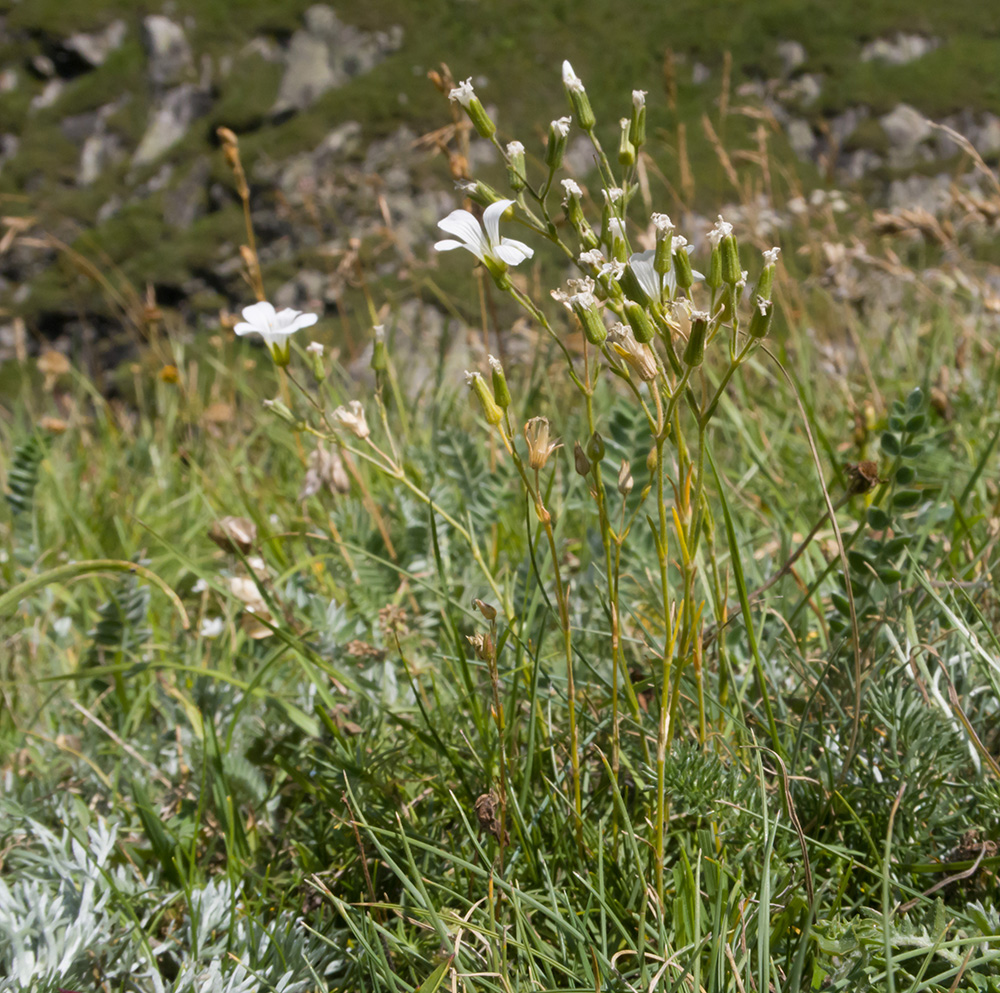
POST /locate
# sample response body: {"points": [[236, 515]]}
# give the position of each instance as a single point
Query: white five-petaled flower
{"points": [[463, 93], [484, 242], [274, 327]]}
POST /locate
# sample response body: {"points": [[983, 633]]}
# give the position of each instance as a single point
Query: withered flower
{"points": [[232, 533], [536, 434]]}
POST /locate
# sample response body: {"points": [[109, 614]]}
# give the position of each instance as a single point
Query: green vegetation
{"points": [[680, 671]]}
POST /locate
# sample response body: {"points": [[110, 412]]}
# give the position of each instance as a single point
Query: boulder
{"points": [[905, 128], [170, 57], [170, 120], [899, 49], [792, 54], [325, 54], [92, 49]]}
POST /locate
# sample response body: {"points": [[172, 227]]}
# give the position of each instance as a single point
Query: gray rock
{"points": [[899, 49], [42, 66], [844, 124], [95, 47], [9, 144], [906, 128], [325, 54], [101, 150], [170, 57], [858, 164], [170, 120], [49, 95], [187, 201], [931, 193], [306, 290], [801, 138], [804, 90], [792, 54]]}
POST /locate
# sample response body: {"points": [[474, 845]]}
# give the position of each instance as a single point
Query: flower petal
{"points": [[259, 314], [243, 328], [641, 264], [512, 252], [491, 220], [465, 227], [448, 244], [303, 321]]}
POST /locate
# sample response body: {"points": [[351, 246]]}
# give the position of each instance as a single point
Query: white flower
{"points": [[514, 148], [771, 256], [199, 587], [594, 257], [315, 348], [572, 189], [678, 242], [274, 327], [484, 242], [463, 93], [613, 269], [613, 195], [638, 99], [570, 79], [722, 229], [662, 222], [561, 126], [212, 627]]}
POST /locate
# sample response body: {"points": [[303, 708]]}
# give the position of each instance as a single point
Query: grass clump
{"points": [[662, 657]]}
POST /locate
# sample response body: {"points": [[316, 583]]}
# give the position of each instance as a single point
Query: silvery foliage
{"points": [[63, 920]]}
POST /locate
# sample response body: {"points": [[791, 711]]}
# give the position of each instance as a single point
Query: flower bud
{"points": [[637, 132], [574, 214], [315, 352], [515, 166], [466, 96], [682, 263], [486, 609], [479, 192], [652, 461], [714, 278], [664, 238], [625, 480], [492, 413], [766, 281], [580, 460], [500, 391], [642, 326], [694, 352], [760, 321], [558, 138], [578, 98], [378, 349], [278, 407], [595, 447], [626, 150]]}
